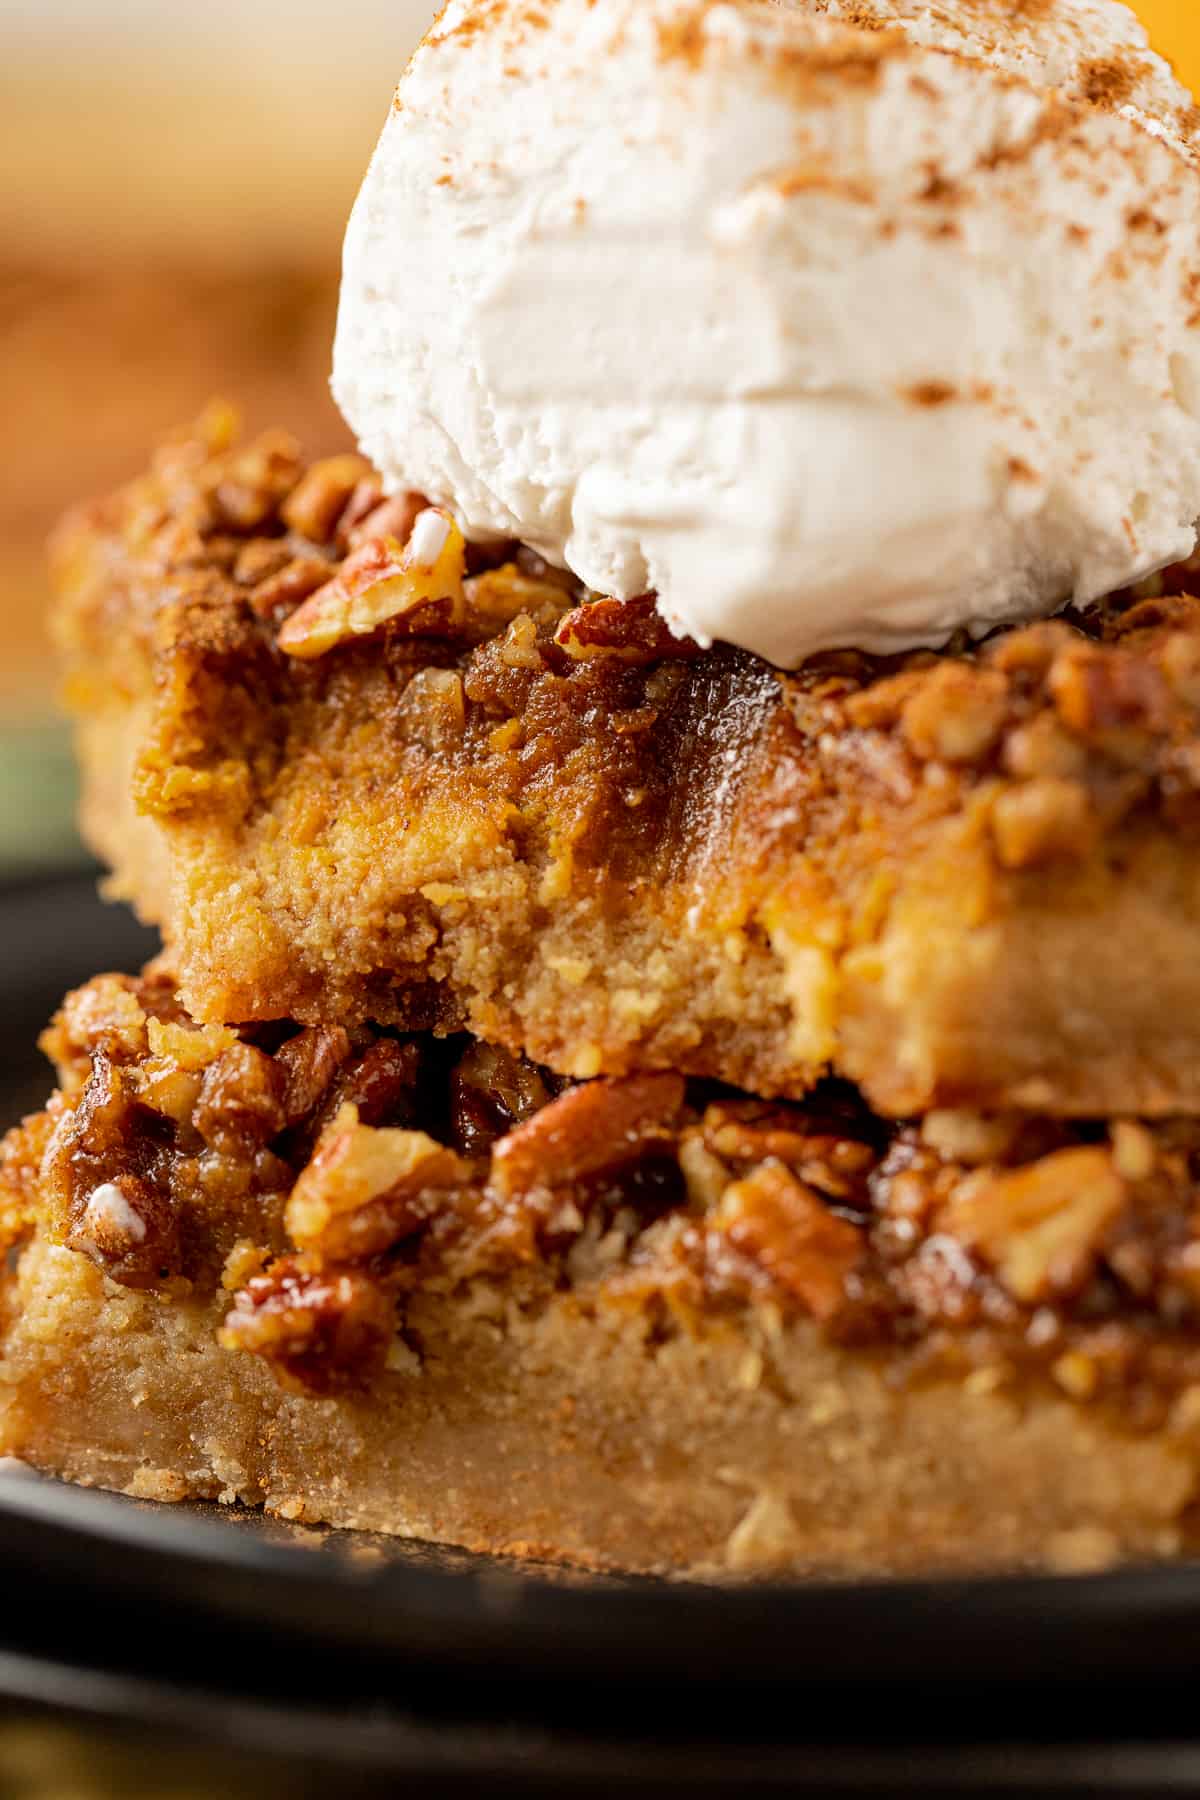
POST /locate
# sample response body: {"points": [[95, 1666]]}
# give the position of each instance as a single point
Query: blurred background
{"points": [[176, 184]]}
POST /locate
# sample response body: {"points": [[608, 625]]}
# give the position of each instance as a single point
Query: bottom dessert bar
{"points": [[419, 1286]]}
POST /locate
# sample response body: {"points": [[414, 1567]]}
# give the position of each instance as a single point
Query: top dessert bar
{"points": [[960, 879]]}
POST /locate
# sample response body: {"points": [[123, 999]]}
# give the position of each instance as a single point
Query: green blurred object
{"points": [[38, 796]]}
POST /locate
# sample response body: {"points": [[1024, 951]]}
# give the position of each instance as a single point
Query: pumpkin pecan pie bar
{"points": [[421, 1285], [360, 772]]}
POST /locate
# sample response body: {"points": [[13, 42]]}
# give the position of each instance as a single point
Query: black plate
{"points": [[326, 1650], [384, 1654], [337, 1595]]}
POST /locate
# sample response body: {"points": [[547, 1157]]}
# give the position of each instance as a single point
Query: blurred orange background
{"points": [[1174, 26], [176, 186]]}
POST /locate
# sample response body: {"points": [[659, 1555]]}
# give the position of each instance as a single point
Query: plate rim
{"points": [[958, 1628]]}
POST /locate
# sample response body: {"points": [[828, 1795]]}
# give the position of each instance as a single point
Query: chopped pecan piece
{"points": [[418, 587], [257, 480], [705, 1176], [490, 1092], [368, 516], [1042, 1227], [261, 558], [1042, 821], [368, 1188], [380, 1083], [498, 596], [1043, 747], [128, 1229], [632, 631], [1109, 697], [594, 1129], [105, 1015], [1135, 1152], [161, 1084], [1029, 654], [98, 1127], [957, 714], [785, 1230], [319, 498], [880, 705], [241, 1100], [289, 585], [970, 1137], [106, 1177], [365, 499], [519, 647], [308, 1062], [822, 1152], [323, 1330]]}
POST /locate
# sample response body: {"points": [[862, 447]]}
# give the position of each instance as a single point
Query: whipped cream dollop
{"points": [[832, 322]]}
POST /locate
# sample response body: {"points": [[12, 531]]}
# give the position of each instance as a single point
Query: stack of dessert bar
{"points": [[601, 1097]]}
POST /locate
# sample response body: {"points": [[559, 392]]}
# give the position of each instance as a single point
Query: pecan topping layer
{"points": [[322, 557], [324, 1176]]}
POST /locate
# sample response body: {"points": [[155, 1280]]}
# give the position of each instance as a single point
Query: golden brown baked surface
{"points": [[960, 879], [420, 1285]]}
